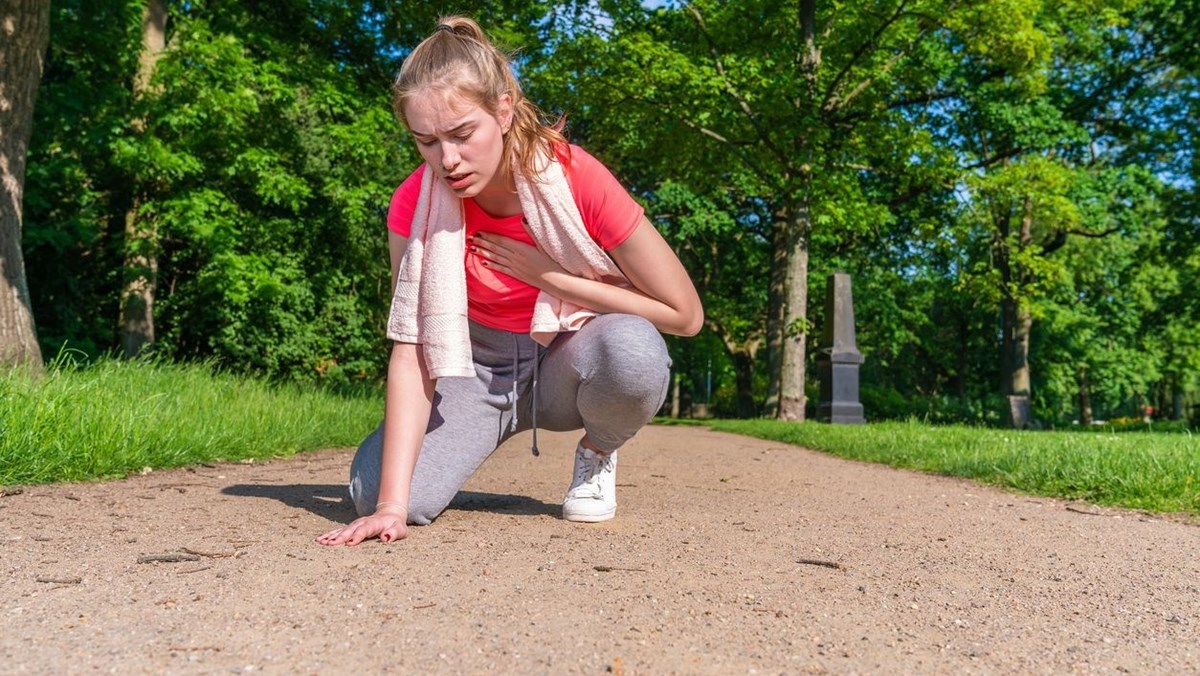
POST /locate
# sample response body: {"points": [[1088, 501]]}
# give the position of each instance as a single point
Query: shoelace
{"points": [[589, 473]]}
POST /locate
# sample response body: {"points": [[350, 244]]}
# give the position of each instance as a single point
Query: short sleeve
{"points": [[609, 213], [404, 203]]}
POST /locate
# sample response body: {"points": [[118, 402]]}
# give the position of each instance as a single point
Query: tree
{"points": [[725, 249], [797, 106], [136, 323], [234, 202], [25, 29], [1033, 142]]}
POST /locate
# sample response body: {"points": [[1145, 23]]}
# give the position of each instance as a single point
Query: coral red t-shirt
{"points": [[502, 302]]}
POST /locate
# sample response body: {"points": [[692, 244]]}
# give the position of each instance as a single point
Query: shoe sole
{"points": [[589, 518]]}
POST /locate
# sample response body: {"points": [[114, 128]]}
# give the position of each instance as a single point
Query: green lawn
{"points": [[115, 417], [1137, 469]]}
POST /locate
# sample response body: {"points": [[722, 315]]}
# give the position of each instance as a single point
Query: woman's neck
{"points": [[499, 197]]}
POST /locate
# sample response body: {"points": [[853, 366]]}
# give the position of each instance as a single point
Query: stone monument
{"points": [[838, 359]]}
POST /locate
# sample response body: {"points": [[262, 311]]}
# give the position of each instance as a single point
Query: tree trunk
{"points": [[776, 315], [24, 35], [743, 369], [795, 341], [1016, 318], [675, 389], [1085, 397], [964, 351], [1022, 317], [797, 223], [743, 354], [141, 236], [1019, 325]]}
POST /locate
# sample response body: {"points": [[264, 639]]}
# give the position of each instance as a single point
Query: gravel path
{"points": [[728, 555]]}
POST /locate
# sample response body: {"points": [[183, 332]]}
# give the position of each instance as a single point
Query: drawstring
{"points": [[512, 426], [536, 358], [516, 371]]}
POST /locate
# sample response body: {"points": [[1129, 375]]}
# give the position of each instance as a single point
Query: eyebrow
{"points": [[448, 131]]}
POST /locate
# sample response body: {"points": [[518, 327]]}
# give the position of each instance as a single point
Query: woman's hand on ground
{"points": [[388, 526]]}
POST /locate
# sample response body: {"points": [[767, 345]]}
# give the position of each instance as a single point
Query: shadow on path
{"points": [[330, 501], [501, 503]]}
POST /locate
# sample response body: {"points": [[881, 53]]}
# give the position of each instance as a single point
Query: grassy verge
{"points": [[115, 417], [1139, 470]]}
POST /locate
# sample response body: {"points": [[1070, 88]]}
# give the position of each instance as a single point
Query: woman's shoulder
{"points": [[404, 202], [579, 163], [413, 182]]}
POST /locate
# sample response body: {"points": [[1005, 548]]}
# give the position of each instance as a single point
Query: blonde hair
{"points": [[458, 58]]}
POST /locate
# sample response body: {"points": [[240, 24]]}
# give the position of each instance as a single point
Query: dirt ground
{"points": [[728, 555]]}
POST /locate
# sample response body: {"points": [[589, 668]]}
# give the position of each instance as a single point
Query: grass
{"points": [[114, 417], [1138, 470]]}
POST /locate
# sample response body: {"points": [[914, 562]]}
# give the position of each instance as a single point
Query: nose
{"points": [[450, 157]]}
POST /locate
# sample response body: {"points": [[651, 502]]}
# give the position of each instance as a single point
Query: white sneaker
{"points": [[592, 496]]}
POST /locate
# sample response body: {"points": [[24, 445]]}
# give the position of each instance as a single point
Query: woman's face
{"points": [[460, 140]]}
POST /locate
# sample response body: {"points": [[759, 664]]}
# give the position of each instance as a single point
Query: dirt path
{"points": [[728, 555]]}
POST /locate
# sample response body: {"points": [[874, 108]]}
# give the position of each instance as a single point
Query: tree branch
{"points": [[733, 91], [866, 47], [732, 145], [833, 102]]}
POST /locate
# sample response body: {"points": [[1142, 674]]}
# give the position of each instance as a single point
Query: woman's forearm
{"points": [[604, 298], [662, 291], [408, 404]]}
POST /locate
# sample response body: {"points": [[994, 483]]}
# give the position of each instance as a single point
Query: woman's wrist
{"points": [[391, 507]]}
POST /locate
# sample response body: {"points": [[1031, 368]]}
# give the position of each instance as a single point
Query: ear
{"points": [[504, 112]]}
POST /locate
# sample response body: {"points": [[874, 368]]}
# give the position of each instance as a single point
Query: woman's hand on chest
{"points": [[517, 259]]}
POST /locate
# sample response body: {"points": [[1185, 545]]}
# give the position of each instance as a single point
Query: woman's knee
{"points": [[422, 512], [365, 472], [625, 378], [628, 345]]}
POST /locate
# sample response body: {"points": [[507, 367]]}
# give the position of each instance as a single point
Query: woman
{"points": [[529, 291]]}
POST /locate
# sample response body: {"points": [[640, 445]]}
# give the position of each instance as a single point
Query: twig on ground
{"points": [[817, 562], [424, 605], [60, 580], [609, 569], [1072, 508], [170, 557], [194, 570], [210, 555]]}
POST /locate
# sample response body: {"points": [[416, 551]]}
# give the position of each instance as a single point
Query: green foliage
{"points": [[265, 164], [885, 403], [909, 149]]}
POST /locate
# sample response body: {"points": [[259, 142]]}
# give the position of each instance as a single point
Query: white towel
{"points": [[430, 303]]}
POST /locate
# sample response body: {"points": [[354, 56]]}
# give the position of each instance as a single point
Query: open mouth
{"points": [[457, 180]]}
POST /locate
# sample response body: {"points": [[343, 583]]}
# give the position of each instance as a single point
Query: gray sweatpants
{"points": [[608, 378]]}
